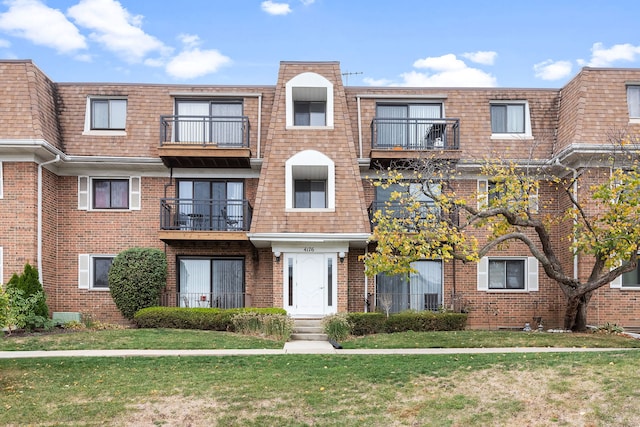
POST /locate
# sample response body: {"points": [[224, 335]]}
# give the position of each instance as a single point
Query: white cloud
{"points": [[377, 82], [4, 43], [273, 8], [42, 25], [308, 2], [481, 57], [116, 29], [552, 70], [447, 70], [193, 63], [467, 77], [189, 40], [447, 62], [603, 57]]}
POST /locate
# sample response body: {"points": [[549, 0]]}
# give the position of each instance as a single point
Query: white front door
{"points": [[310, 284]]}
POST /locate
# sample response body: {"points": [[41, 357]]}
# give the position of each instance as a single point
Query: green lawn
{"points": [[113, 339], [194, 339], [325, 390]]}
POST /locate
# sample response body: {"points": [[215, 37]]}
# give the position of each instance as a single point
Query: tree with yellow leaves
{"points": [[604, 228]]}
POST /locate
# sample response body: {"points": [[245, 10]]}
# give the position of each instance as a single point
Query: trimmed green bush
{"points": [[214, 319], [136, 279], [366, 323], [422, 321]]}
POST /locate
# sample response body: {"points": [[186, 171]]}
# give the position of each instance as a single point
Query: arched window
{"points": [[309, 101], [310, 181]]}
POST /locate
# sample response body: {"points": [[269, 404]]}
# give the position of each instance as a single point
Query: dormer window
{"points": [[309, 101], [510, 119]]}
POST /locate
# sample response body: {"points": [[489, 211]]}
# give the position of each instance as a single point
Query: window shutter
{"points": [[135, 193], [532, 272], [83, 193], [483, 274], [533, 202], [1, 194], [483, 193], [83, 271]]}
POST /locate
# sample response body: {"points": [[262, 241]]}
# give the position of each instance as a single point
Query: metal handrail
{"points": [[415, 133], [205, 215], [214, 131]]}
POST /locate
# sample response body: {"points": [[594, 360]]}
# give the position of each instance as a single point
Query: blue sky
{"points": [[540, 43]]}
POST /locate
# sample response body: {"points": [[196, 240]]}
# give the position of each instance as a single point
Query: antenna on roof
{"points": [[347, 74]]}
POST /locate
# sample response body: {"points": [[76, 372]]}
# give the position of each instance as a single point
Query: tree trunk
{"points": [[575, 318]]}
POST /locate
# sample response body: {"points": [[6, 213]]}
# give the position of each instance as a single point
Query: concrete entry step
{"points": [[308, 330]]}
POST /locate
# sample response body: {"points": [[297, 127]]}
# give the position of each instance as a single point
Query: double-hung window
{"points": [[110, 193], [508, 274], [629, 280], [633, 101], [93, 271], [100, 193], [108, 114]]}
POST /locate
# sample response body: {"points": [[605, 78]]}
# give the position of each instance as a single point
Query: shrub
{"points": [[366, 323], [421, 321], [136, 279], [22, 311], [276, 326], [4, 308], [29, 283], [336, 326], [214, 319]]}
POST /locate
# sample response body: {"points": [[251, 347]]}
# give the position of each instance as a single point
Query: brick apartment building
{"points": [[259, 195]]}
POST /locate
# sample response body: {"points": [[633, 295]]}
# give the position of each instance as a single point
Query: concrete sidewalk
{"points": [[295, 347]]}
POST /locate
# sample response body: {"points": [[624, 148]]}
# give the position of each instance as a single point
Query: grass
{"points": [[113, 339], [324, 390], [194, 339], [485, 339]]}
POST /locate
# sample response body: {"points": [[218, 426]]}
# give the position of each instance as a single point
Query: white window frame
{"points": [[85, 193], [312, 86], [86, 272], [310, 164], [102, 132], [617, 284], [530, 275], [527, 134], [633, 105]]}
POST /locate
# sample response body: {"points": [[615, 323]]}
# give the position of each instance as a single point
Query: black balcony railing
{"points": [[398, 210], [414, 134], [205, 215], [205, 299], [213, 131], [395, 302]]}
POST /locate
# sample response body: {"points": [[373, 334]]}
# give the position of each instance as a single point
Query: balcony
{"points": [[205, 141], [211, 219], [402, 138], [397, 210]]}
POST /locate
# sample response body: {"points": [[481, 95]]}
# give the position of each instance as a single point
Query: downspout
{"points": [[39, 238], [259, 124], [359, 126], [366, 284]]}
